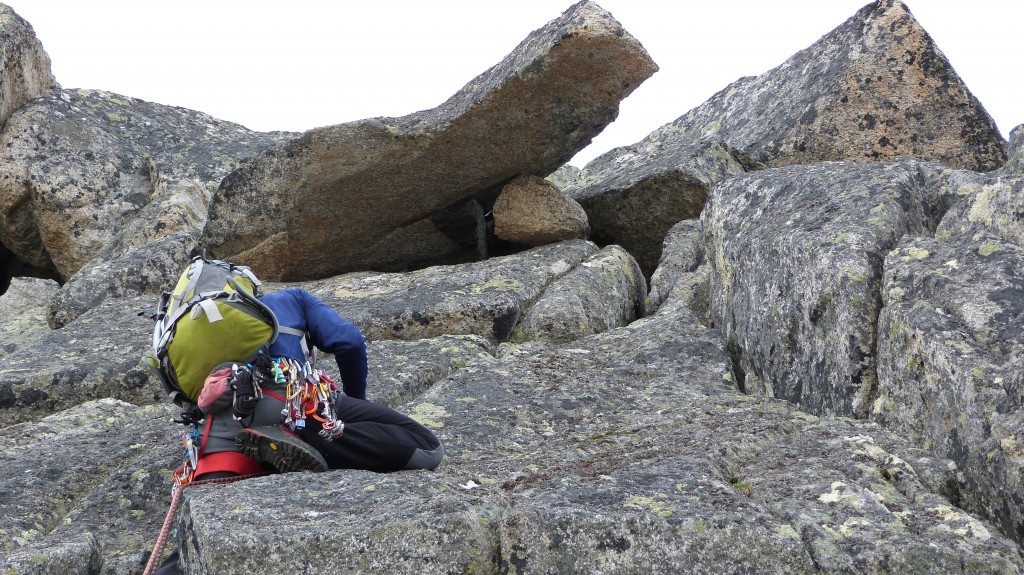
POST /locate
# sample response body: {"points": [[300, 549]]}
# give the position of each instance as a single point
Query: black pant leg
{"points": [[376, 438]]}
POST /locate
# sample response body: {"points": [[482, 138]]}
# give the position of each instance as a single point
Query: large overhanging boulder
{"points": [[334, 199], [627, 450], [77, 166], [875, 88], [24, 65], [951, 348], [795, 257]]}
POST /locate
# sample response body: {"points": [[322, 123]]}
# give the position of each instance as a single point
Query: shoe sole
{"points": [[280, 451]]}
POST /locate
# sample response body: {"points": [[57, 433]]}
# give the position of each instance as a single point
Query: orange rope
{"points": [[161, 540]]}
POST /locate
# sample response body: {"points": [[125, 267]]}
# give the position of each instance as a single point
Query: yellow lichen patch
{"points": [[1011, 446], [989, 248], [917, 253], [497, 284], [968, 525], [849, 527], [839, 494], [648, 504], [429, 415], [981, 207]]}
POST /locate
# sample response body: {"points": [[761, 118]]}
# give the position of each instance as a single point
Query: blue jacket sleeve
{"points": [[333, 334]]}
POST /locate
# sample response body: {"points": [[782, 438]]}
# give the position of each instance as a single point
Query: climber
{"points": [[372, 437]]}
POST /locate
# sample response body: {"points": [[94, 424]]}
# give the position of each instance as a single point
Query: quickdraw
{"points": [[184, 474], [309, 393]]}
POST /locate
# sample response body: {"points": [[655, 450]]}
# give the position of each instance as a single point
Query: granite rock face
{"points": [[588, 425], [24, 65], [533, 211], [633, 197], [795, 258], [558, 89], [875, 88], [97, 355], [951, 348], [628, 450]]}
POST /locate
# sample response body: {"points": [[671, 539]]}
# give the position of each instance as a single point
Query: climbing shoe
{"points": [[279, 448]]}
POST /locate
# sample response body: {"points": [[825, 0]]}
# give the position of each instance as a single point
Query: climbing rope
{"points": [[165, 530]]}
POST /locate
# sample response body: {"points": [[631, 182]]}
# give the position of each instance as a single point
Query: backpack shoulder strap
{"points": [[299, 333]]}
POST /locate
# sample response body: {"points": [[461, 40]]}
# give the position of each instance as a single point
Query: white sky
{"points": [[298, 64]]}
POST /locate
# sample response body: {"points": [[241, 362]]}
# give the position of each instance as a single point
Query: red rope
{"points": [[161, 540]]}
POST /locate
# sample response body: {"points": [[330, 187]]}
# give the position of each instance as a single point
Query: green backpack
{"points": [[211, 318]]}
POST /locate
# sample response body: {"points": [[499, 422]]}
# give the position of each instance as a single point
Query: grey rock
{"points": [[80, 556], [86, 488], [875, 88], [95, 356], [682, 253], [23, 309], [951, 359], [115, 272], [634, 195], [24, 65], [627, 450], [327, 202], [1015, 163], [795, 258], [400, 371], [564, 176], [692, 290], [604, 292], [995, 205], [484, 298], [533, 211], [76, 166]]}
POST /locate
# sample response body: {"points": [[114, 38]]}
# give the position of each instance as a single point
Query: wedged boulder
{"points": [[76, 166], [23, 309], [951, 361], [633, 196], [682, 252], [24, 65], [533, 211], [875, 88], [1015, 163], [326, 202], [626, 450], [484, 298], [795, 258], [86, 488], [604, 292]]}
